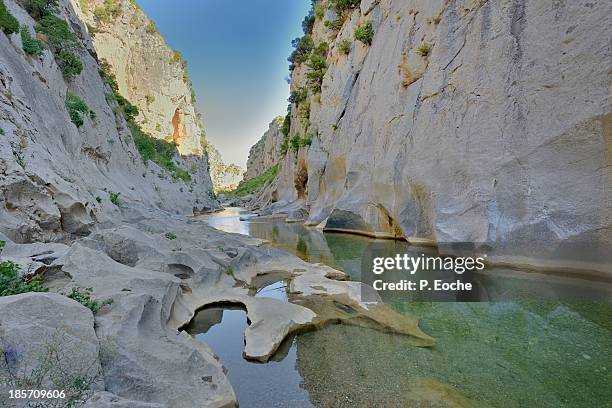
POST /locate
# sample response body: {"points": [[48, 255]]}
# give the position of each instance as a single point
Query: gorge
{"points": [[130, 278]]}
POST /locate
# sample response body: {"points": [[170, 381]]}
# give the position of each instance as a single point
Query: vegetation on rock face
{"points": [[13, 284], [318, 67], [365, 33], [8, 22], [108, 12], [302, 48], [253, 185], [341, 6], [318, 10], [423, 50], [158, 151], [77, 108], [31, 46], [83, 296], [298, 95], [40, 8], [63, 43], [297, 141], [114, 197], [345, 46]]}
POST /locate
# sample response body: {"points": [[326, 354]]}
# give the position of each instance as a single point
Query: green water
{"points": [[528, 350]]}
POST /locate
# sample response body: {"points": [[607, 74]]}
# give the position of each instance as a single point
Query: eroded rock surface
{"points": [[463, 121]]}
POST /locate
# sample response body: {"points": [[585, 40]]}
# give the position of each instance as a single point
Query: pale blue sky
{"points": [[236, 51]]}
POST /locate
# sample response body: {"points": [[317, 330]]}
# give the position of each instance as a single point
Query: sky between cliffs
{"points": [[236, 51]]}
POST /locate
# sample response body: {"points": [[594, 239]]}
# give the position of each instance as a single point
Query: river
{"points": [[523, 349]]}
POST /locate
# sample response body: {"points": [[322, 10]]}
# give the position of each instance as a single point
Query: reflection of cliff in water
{"points": [[308, 243]]}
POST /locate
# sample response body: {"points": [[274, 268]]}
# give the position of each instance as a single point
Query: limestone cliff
{"points": [[149, 74], [445, 121], [266, 152], [224, 176], [57, 176]]}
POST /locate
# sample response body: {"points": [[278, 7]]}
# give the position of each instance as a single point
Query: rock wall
{"points": [[477, 121], [57, 179], [266, 152], [224, 176], [149, 74]]}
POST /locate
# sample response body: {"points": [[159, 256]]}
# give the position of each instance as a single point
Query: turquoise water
{"points": [[528, 350]]}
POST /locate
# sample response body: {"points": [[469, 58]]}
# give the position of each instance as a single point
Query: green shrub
{"points": [[19, 159], [229, 271], [286, 126], [340, 6], [307, 140], [334, 24], [8, 22], [114, 197], [345, 46], [365, 33], [83, 296], [302, 48], [63, 43], [318, 66], [40, 8], [253, 185], [151, 28], [150, 99], [298, 95], [308, 23], [31, 46], [319, 10], [13, 284], [109, 11], [297, 141], [77, 108], [423, 50], [99, 199], [180, 174], [170, 235]]}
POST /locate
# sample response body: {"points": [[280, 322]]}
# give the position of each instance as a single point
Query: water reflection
{"points": [[274, 384], [528, 350]]}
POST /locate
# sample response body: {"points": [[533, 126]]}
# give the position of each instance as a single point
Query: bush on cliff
{"points": [[31, 46], [108, 11], [298, 95], [63, 43], [365, 33], [302, 48], [297, 141], [318, 67], [77, 109], [340, 6], [40, 8], [8, 22], [345, 46]]}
